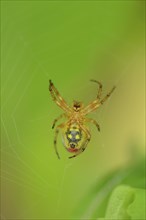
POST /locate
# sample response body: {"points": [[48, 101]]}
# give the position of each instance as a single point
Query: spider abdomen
{"points": [[73, 138], [74, 134]]}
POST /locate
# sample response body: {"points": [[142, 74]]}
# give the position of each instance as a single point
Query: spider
{"points": [[75, 133]]}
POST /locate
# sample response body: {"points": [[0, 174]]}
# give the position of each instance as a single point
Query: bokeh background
{"points": [[69, 42]]}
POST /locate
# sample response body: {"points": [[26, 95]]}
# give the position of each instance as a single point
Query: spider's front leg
{"points": [[96, 103], [56, 119], [100, 88], [107, 96], [85, 143], [58, 99]]}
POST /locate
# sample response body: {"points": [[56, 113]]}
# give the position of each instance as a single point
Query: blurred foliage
{"points": [[126, 203], [118, 195], [137, 209]]}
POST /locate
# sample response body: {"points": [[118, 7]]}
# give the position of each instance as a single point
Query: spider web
{"points": [[11, 151]]}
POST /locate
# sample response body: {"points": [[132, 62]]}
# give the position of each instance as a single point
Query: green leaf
{"points": [[95, 202], [122, 196], [137, 209]]}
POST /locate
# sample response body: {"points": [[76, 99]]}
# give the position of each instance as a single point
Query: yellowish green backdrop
{"points": [[69, 42]]}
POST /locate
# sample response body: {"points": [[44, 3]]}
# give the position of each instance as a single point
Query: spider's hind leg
{"points": [[55, 142], [56, 119], [55, 138]]}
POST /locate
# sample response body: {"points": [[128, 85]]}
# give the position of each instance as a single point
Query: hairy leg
{"points": [[58, 98]]}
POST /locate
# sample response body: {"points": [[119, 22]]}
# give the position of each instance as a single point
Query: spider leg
{"points": [[94, 122], [91, 107], [100, 88], [85, 143], [55, 138], [62, 115], [107, 96], [57, 97], [96, 103]]}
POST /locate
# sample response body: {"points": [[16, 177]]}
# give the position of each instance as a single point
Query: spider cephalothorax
{"points": [[77, 106], [75, 133]]}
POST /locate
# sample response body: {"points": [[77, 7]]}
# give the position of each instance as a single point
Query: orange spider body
{"points": [[75, 133]]}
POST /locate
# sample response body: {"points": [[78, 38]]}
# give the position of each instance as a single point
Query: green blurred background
{"points": [[69, 42]]}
